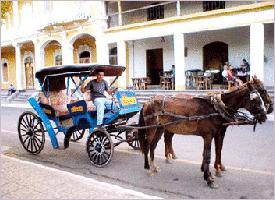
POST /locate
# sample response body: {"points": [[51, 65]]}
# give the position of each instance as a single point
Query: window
{"points": [[156, 12], [58, 60], [5, 72], [84, 57], [113, 56], [213, 5]]}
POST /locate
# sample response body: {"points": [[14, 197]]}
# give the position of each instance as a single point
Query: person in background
{"points": [[225, 70], [231, 76], [245, 66], [11, 90]]}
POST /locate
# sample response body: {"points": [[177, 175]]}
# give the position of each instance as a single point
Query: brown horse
{"points": [[206, 121], [169, 152]]}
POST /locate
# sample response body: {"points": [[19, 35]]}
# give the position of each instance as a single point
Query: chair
{"points": [[188, 80], [143, 83], [135, 83], [200, 85]]}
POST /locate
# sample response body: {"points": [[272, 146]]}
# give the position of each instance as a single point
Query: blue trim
{"points": [[45, 120]]}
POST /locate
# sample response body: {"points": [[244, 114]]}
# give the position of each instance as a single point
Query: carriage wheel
{"points": [[100, 148], [132, 138], [31, 132], [77, 135]]}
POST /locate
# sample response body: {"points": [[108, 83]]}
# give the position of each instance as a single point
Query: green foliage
{"points": [[6, 6]]}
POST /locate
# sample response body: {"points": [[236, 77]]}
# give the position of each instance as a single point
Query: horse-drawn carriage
{"points": [[78, 115], [207, 116]]}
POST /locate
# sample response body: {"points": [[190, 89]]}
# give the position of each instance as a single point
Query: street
{"points": [[247, 155]]}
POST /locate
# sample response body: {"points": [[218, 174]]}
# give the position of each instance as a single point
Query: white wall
{"points": [[269, 54], [236, 38], [238, 48], [137, 55]]}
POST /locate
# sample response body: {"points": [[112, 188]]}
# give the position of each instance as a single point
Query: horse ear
{"points": [[254, 77]]}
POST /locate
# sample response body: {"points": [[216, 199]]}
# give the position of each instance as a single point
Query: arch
{"points": [[48, 42], [79, 35], [214, 55], [4, 62]]}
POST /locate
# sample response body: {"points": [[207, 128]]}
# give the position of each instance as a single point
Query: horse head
{"points": [[246, 96], [259, 86], [254, 103]]}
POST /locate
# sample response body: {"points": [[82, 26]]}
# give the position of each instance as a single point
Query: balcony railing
{"points": [[142, 14], [163, 10]]}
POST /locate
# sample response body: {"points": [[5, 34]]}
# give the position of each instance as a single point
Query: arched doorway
{"points": [[28, 65], [214, 55]]}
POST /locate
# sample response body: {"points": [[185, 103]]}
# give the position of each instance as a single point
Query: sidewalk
{"points": [[27, 180], [270, 117]]}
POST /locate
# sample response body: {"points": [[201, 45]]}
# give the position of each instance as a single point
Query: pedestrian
{"points": [[11, 89]]}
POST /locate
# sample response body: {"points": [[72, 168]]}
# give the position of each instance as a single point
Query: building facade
{"points": [[146, 37]]}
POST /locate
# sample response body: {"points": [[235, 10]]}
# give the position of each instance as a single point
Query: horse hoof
{"points": [[156, 169], [151, 173], [168, 161], [223, 168], [212, 185], [218, 174], [174, 157]]}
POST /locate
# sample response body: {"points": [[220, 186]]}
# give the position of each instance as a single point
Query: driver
{"points": [[97, 88]]}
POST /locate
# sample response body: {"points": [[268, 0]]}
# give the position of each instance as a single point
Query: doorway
{"points": [[215, 55], [28, 62], [154, 59]]}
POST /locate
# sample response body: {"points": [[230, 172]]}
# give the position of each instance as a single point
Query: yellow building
{"points": [[148, 38]]}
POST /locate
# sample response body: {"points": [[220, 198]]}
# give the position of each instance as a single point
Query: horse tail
{"points": [[144, 146], [142, 133]]}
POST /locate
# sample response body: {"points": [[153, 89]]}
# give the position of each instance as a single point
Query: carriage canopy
{"points": [[63, 71]]}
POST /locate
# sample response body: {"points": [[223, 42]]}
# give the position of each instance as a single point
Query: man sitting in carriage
{"points": [[97, 88]]}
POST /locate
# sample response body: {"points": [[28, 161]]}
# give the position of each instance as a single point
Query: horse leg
{"points": [[218, 148], [206, 161], [169, 152], [153, 144]]}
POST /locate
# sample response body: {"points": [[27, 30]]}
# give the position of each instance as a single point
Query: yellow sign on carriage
{"points": [[128, 100], [77, 109]]}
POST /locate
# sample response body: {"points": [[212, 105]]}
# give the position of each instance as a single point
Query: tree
{"points": [[6, 6]]}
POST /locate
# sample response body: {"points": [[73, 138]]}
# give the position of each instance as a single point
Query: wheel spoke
{"points": [[31, 144], [28, 143], [24, 130], [35, 144], [27, 119], [37, 139], [24, 123], [26, 139]]}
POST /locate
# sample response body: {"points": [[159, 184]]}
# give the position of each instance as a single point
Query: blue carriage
{"points": [[77, 117]]}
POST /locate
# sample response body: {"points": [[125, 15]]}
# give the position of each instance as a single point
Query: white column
{"points": [[67, 53], [39, 61], [179, 61], [257, 50], [178, 8], [102, 51], [119, 13], [19, 70], [122, 56]]}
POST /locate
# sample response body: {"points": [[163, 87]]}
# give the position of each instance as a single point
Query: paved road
{"points": [[247, 155]]}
